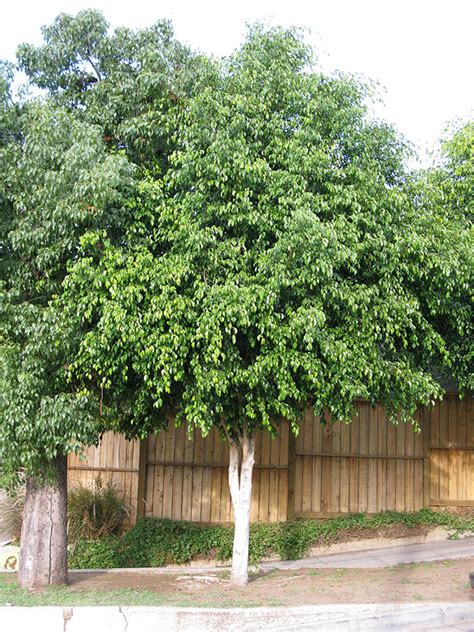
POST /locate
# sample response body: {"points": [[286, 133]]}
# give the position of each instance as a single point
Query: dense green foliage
{"points": [[455, 179], [69, 160], [57, 182], [158, 542], [447, 190], [284, 257], [125, 82], [456, 174]]}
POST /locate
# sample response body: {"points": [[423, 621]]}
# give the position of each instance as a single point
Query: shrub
{"points": [[95, 554], [157, 542], [95, 512]]}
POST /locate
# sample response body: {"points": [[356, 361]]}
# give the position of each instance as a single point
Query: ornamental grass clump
{"points": [[96, 512], [11, 513]]}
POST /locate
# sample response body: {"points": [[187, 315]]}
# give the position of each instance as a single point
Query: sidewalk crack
{"points": [[125, 618]]}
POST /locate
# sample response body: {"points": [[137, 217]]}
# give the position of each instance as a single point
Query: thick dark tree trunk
{"points": [[241, 494], [43, 544]]}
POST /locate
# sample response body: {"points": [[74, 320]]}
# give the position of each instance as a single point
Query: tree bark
{"points": [[241, 494], [43, 543]]}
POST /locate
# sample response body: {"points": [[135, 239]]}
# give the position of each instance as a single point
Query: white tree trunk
{"points": [[241, 494]]}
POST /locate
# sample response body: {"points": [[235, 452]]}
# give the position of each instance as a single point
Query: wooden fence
{"points": [[366, 466], [451, 472], [114, 459]]}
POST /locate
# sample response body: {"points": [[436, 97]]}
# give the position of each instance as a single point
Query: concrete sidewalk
{"points": [[427, 617], [326, 618], [381, 558]]}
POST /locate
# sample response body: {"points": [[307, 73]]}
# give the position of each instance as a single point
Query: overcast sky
{"points": [[421, 51]]}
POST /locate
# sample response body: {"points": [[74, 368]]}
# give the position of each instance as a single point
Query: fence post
{"points": [[426, 430], [141, 493], [291, 474]]}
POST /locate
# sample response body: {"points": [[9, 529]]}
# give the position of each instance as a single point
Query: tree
{"points": [[69, 161], [447, 190], [125, 81], [58, 182], [283, 258], [455, 175]]}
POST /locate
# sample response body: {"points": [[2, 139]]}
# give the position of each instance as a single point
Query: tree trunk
{"points": [[43, 543], [241, 494]]}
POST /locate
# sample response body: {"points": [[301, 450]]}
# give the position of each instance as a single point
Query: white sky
{"points": [[421, 51]]}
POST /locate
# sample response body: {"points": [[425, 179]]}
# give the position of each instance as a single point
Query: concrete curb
{"points": [[334, 617]]}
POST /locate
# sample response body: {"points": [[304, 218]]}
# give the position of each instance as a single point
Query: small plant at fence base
{"points": [[158, 542], [95, 512], [11, 513]]}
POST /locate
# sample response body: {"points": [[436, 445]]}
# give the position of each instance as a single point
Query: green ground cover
{"points": [[158, 542]]}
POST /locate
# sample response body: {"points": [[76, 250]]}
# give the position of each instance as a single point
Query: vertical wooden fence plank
{"points": [[159, 475], [187, 499], [291, 502], [142, 471], [274, 479], [264, 496], [256, 481], [335, 497], [208, 457], [364, 450], [372, 482], [308, 430], [400, 468], [354, 463], [197, 478], [409, 451], [216, 479], [284, 431], [381, 462], [426, 435]]}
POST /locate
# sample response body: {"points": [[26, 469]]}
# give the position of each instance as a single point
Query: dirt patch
{"points": [[391, 531], [366, 538], [463, 512], [361, 539], [430, 581]]}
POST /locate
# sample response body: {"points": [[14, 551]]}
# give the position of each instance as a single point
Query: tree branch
{"points": [[98, 75]]}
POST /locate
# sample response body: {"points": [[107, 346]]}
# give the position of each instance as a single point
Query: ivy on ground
{"points": [[157, 542]]}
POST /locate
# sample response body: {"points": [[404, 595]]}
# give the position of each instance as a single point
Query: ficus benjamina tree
{"points": [[70, 156], [283, 257], [58, 181]]}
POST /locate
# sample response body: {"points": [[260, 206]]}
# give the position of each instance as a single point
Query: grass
{"points": [[417, 597], [12, 595], [315, 586]]}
